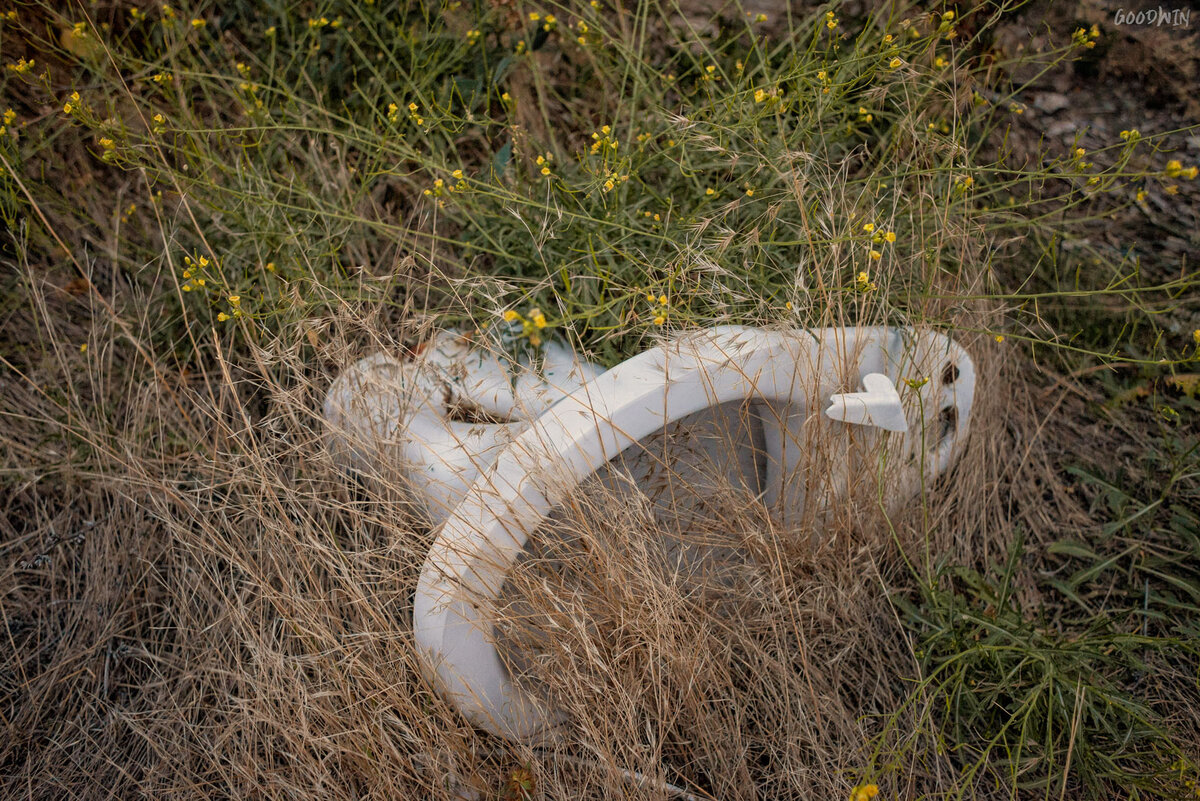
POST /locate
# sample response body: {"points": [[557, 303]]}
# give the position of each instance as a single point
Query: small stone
{"points": [[1050, 102]]}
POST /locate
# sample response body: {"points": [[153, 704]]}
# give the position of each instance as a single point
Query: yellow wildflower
{"points": [[890, 236], [198, 23], [868, 227], [865, 792], [895, 63], [510, 316], [875, 255], [659, 319]]}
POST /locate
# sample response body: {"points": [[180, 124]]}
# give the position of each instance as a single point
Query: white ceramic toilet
{"points": [[487, 486]]}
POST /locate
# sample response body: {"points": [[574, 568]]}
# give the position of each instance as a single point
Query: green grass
{"points": [[310, 178]]}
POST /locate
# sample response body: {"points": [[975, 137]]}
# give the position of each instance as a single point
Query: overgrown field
{"points": [[211, 209]]}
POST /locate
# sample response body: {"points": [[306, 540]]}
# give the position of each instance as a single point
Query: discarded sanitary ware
{"points": [[488, 486]]}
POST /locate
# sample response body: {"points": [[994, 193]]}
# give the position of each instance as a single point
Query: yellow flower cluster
{"points": [[531, 326], [21, 66], [603, 138], [1132, 135], [73, 104], [1085, 38], [1175, 170], [878, 237], [235, 309], [582, 29], [831, 21], [193, 273], [662, 307], [543, 163], [864, 792], [612, 179], [9, 116], [946, 27]]}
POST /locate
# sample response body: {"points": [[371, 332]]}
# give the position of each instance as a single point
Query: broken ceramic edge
{"points": [[480, 541], [877, 405], [384, 414]]}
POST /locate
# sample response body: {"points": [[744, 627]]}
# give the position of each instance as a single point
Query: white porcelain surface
{"points": [[490, 486]]}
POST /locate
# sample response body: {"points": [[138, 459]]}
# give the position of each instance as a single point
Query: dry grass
{"points": [[198, 601]]}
